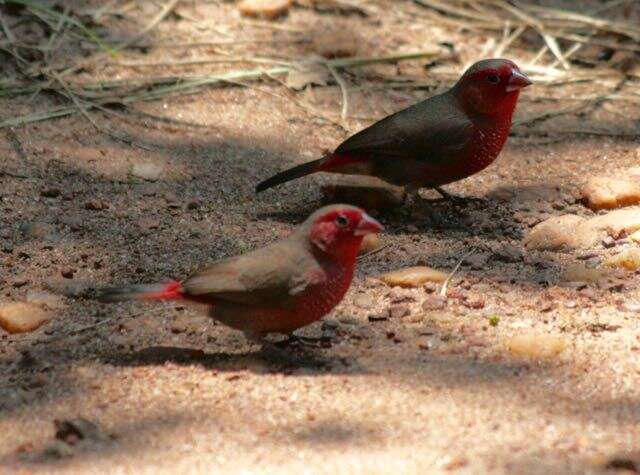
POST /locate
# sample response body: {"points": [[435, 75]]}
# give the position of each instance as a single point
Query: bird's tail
{"points": [[167, 291], [292, 173]]}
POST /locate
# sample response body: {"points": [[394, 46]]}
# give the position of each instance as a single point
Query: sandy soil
{"points": [[427, 392]]}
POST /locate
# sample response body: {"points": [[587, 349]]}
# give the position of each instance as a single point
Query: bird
{"points": [[438, 141], [274, 289]]}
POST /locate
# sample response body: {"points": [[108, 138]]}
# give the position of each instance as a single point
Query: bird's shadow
{"points": [[492, 214], [266, 360], [425, 214], [291, 215]]}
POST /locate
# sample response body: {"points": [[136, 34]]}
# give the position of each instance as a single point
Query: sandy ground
{"points": [[426, 392]]}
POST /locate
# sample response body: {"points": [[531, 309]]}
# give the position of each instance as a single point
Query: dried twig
{"points": [[62, 21], [198, 62], [84, 111], [152, 88], [507, 41], [13, 175], [343, 88], [78, 331], [12, 48], [445, 284], [170, 5], [375, 251]]}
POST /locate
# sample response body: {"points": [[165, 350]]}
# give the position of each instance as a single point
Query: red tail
{"points": [[168, 291], [329, 163]]}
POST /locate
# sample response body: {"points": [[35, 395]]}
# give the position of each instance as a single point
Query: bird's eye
{"points": [[493, 78], [342, 221]]}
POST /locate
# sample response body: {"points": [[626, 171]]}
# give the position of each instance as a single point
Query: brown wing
{"points": [[268, 276], [434, 130]]}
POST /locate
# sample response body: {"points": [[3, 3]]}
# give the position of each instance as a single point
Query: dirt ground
{"points": [[391, 387]]}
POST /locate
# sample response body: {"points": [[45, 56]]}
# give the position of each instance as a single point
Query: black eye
{"points": [[493, 78], [342, 221]]}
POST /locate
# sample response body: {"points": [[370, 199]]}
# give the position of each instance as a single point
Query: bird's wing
{"points": [[433, 130], [268, 276]]}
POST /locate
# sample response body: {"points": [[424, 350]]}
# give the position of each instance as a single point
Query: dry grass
{"points": [[562, 33]]}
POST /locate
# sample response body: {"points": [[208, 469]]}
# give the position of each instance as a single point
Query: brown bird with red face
{"points": [[443, 139], [278, 288]]}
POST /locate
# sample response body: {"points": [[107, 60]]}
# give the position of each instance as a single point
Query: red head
{"points": [[338, 229], [490, 88]]}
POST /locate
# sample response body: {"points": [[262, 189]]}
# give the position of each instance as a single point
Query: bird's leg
{"points": [[279, 353], [455, 198]]}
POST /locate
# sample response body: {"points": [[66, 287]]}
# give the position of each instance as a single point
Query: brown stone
{"points": [[628, 259], [565, 232], [336, 43], [367, 192], [434, 302], [268, 9], [536, 346], [21, 317], [613, 192], [413, 276], [571, 232], [370, 243]]}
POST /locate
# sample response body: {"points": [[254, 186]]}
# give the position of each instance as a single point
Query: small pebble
{"points": [[50, 192], [399, 311], [19, 282], [476, 303], [434, 302], [628, 259], [589, 294], [413, 276], [35, 229], [476, 261], [268, 9], [147, 171], [633, 307], [370, 243], [608, 242], [536, 346], [96, 205], [377, 318], [613, 192], [21, 317], [336, 43], [362, 301], [45, 299]]}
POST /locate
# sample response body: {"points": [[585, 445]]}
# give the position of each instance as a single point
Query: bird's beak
{"points": [[517, 81], [368, 225]]}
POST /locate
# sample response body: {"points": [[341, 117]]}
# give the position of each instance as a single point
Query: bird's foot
{"points": [[456, 199]]}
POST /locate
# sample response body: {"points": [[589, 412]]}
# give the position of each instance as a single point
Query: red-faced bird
{"points": [[443, 139], [279, 288]]}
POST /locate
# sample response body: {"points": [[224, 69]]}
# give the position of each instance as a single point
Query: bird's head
{"points": [[338, 229], [490, 88]]}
